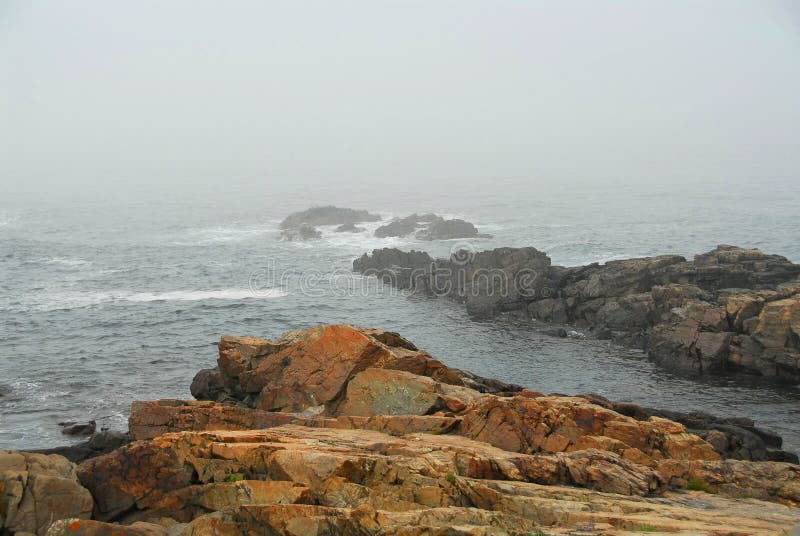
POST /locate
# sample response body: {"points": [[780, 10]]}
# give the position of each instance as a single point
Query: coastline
{"points": [[358, 430]]}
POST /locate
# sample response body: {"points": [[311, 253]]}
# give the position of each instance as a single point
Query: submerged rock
{"points": [[327, 215], [731, 309], [78, 429], [300, 233], [349, 228]]}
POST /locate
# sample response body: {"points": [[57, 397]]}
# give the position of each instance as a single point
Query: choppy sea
{"points": [[109, 300]]}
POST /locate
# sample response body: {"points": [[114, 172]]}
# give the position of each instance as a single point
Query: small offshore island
{"points": [[341, 430]]}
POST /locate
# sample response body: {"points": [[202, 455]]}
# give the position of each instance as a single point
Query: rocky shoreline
{"points": [[341, 430], [728, 310]]}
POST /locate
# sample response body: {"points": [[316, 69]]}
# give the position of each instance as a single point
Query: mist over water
{"points": [[148, 151], [107, 301]]}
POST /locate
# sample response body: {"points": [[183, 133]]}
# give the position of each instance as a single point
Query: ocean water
{"points": [[109, 300]]}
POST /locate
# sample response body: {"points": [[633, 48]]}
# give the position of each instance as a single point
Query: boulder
{"points": [[37, 489]]}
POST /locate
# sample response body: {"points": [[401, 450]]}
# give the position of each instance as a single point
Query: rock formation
{"points": [[730, 309], [328, 215], [340, 430], [429, 227], [36, 489]]}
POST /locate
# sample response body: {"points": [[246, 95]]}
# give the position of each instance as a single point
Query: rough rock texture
{"points": [[341, 370], [300, 233], [310, 368], [294, 480], [37, 489], [339, 430], [730, 309], [732, 437], [429, 227], [155, 418], [328, 215]]}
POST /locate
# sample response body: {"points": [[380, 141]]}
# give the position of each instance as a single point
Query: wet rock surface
{"points": [[729, 310], [98, 443], [78, 429]]}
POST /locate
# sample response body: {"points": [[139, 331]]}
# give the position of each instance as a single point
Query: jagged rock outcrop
{"points": [[429, 227], [310, 368], [731, 309], [36, 489], [342, 370], [327, 215], [380, 438]]}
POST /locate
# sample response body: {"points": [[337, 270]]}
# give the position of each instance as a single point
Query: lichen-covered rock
{"points": [[567, 424], [37, 489], [84, 527], [392, 392], [310, 368], [424, 479]]}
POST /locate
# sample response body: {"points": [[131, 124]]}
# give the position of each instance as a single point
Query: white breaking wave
{"points": [[79, 300], [224, 234], [197, 295], [67, 262]]}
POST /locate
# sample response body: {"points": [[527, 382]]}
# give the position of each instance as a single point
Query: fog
{"points": [[120, 97]]}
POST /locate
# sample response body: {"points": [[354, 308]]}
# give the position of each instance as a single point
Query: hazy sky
{"points": [[99, 93]]}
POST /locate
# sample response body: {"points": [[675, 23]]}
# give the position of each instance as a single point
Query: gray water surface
{"points": [[108, 301]]}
